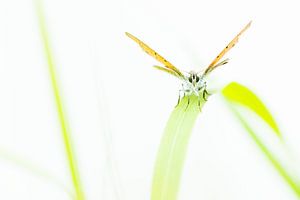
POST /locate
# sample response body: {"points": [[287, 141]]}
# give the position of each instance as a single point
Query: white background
{"points": [[118, 105]]}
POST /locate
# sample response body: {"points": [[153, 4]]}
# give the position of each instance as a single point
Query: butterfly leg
{"points": [[179, 98], [205, 93], [199, 103], [199, 96]]}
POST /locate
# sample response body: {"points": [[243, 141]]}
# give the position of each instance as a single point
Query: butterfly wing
{"points": [[168, 71], [215, 63], [155, 55]]}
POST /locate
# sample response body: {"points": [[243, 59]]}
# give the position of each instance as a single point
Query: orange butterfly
{"points": [[194, 82]]}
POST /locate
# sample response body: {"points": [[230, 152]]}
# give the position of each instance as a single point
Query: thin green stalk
{"points": [[172, 151], [269, 155], [238, 95], [59, 106]]}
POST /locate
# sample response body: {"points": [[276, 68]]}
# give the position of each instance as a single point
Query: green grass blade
{"points": [[243, 96], [59, 105], [270, 156], [172, 150], [236, 93]]}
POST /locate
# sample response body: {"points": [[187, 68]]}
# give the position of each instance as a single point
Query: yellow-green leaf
{"points": [[172, 151], [240, 94]]}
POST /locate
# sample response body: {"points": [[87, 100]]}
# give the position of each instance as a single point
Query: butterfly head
{"points": [[194, 78]]}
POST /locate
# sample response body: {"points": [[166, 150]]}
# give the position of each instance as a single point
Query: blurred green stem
{"points": [[237, 95], [59, 105], [269, 155]]}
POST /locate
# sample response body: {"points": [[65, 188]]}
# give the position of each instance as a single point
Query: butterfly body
{"points": [[193, 83]]}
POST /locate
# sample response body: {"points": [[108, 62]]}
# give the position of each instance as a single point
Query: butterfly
{"points": [[193, 83]]}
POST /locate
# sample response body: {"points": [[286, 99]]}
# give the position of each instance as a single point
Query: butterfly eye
{"points": [[197, 79], [191, 80]]}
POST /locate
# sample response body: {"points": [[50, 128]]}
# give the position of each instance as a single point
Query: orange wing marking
{"points": [[155, 55], [215, 63]]}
